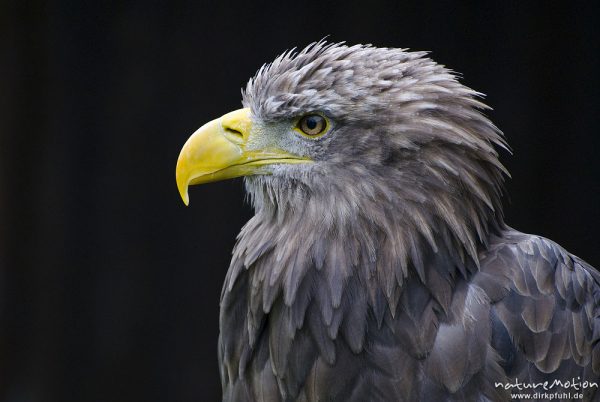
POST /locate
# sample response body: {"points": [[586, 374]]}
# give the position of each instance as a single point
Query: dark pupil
{"points": [[312, 122]]}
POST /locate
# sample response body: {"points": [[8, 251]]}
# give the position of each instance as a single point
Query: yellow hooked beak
{"points": [[216, 151]]}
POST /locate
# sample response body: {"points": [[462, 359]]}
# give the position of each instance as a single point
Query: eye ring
{"points": [[312, 125]]}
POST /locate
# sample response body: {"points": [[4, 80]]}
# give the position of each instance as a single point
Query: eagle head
{"points": [[346, 136]]}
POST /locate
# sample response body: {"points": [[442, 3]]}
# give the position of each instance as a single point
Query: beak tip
{"points": [[182, 187], [185, 196]]}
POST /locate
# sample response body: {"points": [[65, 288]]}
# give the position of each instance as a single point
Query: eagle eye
{"points": [[312, 125]]}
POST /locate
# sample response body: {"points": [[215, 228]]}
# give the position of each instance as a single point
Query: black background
{"points": [[109, 286]]}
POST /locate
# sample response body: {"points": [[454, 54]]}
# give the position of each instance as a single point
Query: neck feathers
{"points": [[307, 243]]}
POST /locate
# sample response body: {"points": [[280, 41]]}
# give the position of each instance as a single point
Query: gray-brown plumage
{"points": [[383, 271]]}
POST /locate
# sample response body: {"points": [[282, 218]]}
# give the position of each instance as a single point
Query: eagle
{"points": [[378, 266]]}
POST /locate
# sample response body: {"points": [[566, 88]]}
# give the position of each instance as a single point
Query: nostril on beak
{"points": [[233, 135], [233, 131], [236, 125]]}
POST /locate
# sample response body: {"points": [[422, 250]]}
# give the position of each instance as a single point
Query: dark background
{"points": [[109, 286]]}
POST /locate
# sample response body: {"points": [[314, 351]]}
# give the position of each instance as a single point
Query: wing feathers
{"points": [[551, 311]]}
